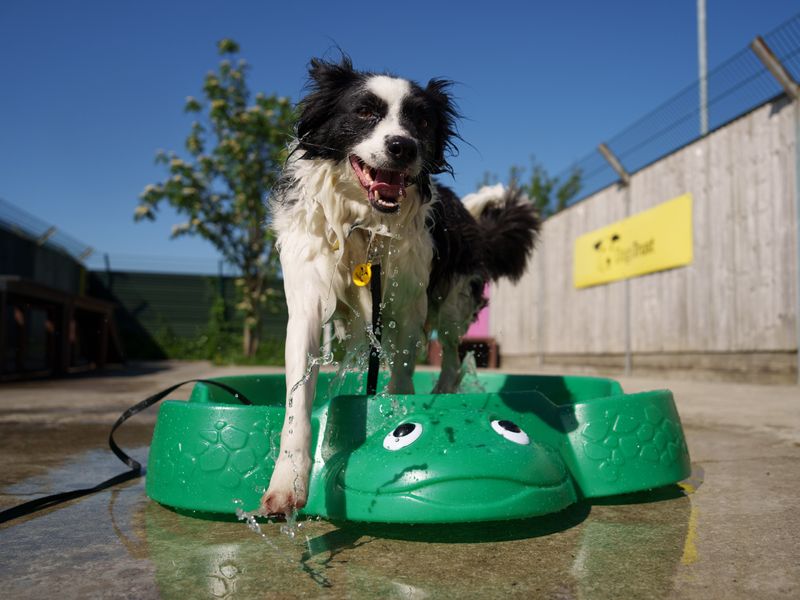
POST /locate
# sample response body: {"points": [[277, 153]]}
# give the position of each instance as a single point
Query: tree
{"points": [[548, 194], [236, 147]]}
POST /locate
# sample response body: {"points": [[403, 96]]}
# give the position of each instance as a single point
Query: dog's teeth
{"points": [[377, 195]]}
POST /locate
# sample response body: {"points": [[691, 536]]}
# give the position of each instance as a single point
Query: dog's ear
{"points": [[325, 73], [441, 99], [327, 81]]}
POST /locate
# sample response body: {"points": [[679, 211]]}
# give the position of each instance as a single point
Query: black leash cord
{"points": [[375, 352], [136, 468]]}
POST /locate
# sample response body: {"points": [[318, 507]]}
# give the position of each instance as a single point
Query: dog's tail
{"points": [[510, 227]]}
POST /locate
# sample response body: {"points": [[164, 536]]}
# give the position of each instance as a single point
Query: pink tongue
{"points": [[387, 177], [388, 183]]}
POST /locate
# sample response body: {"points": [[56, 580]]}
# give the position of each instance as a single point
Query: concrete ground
{"points": [[731, 531]]}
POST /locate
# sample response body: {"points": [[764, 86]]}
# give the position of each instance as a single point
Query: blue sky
{"points": [[91, 90]]}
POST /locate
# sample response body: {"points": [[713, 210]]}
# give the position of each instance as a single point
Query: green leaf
{"points": [[234, 148], [192, 105], [227, 46]]}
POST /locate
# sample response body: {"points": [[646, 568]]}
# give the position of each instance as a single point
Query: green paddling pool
{"points": [[525, 446]]}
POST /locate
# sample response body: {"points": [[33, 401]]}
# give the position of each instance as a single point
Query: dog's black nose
{"points": [[401, 148]]}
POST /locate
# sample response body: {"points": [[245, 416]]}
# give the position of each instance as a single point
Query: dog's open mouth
{"points": [[384, 187]]}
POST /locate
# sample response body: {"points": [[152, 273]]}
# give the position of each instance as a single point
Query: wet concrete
{"points": [[730, 531]]}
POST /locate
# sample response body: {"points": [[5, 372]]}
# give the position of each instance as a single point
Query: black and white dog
{"points": [[357, 190]]}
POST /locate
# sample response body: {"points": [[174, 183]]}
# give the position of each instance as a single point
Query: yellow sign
{"points": [[654, 240]]}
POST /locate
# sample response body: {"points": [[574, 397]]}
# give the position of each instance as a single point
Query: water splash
{"points": [[470, 381], [312, 361], [274, 444], [286, 555], [249, 518], [291, 527], [373, 339], [354, 364]]}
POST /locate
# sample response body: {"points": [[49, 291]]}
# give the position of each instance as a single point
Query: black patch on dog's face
{"points": [[340, 111]]}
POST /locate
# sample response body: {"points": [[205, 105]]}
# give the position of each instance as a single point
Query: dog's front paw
{"points": [[279, 502], [288, 488]]}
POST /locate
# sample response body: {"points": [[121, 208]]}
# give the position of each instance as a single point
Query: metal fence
{"points": [[29, 227], [735, 87], [160, 263], [26, 225], [154, 310]]}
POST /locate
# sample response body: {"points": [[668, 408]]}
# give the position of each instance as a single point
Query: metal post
{"points": [[774, 66], [5, 324], [628, 341], [615, 164], [46, 235], [86, 253], [797, 228], [792, 89], [109, 279], [625, 180], [702, 57], [540, 307]]}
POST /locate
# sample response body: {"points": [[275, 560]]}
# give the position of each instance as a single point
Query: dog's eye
{"points": [[402, 436], [511, 431], [423, 124], [366, 113]]}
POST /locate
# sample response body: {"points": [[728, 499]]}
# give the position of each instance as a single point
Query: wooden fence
{"points": [[731, 312]]}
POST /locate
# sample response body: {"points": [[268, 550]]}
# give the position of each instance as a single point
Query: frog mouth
{"points": [[462, 500], [460, 492]]}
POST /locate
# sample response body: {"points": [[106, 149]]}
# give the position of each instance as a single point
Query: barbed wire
{"points": [[28, 226], [736, 87]]}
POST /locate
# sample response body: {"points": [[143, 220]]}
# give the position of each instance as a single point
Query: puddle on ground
{"points": [[39, 459], [577, 553], [119, 543]]}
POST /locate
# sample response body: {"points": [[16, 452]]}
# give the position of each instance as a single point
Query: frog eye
{"points": [[511, 431], [403, 435]]}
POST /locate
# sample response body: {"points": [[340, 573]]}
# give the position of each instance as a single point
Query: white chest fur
{"points": [[326, 228]]}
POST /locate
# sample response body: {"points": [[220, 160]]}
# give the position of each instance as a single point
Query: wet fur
{"points": [[436, 254]]}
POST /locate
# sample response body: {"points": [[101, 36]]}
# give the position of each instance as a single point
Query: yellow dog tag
{"points": [[362, 274]]}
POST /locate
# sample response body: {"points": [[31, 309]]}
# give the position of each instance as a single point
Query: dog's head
{"points": [[392, 132]]}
